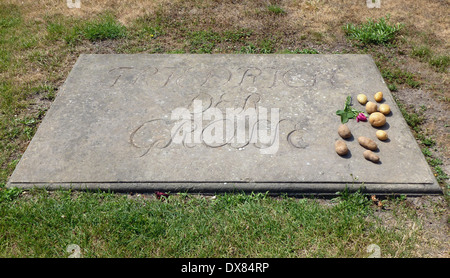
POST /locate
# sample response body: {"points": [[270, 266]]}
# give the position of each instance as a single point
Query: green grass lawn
{"points": [[42, 224]]}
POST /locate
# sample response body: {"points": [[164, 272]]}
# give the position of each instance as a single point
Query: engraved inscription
{"points": [[154, 133], [201, 123], [304, 76], [204, 77], [226, 108]]}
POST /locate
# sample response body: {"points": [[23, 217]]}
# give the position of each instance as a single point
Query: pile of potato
{"points": [[377, 118]]}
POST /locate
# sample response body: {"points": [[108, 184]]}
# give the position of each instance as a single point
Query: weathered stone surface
{"points": [[110, 127]]}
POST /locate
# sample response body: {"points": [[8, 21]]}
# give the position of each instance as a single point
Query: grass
{"points": [[299, 51], [422, 52], [373, 32], [439, 62], [43, 224], [414, 120], [206, 41], [106, 27], [397, 76], [265, 46], [203, 41], [10, 16], [103, 27], [275, 9]]}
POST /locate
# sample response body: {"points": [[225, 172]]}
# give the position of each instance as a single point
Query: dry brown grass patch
{"points": [[303, 16]]}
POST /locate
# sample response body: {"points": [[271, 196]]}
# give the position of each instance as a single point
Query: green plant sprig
{"points": [[348, 112]]}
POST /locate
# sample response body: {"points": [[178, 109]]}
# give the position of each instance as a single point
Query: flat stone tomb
{"points": [[216, 123]]}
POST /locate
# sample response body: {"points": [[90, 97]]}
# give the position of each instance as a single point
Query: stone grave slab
{"points": [[219, 123]]}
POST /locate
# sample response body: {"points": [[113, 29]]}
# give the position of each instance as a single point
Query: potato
{"points": [[369, 155], [340, 147], [371, 107], [382, 135], [367, 143], [378, 96], [384, 108], [362, 98], [377, 119], [344, 131]]}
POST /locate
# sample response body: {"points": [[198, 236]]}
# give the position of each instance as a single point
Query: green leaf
{"points": [[348, 102], [348, 112]]}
